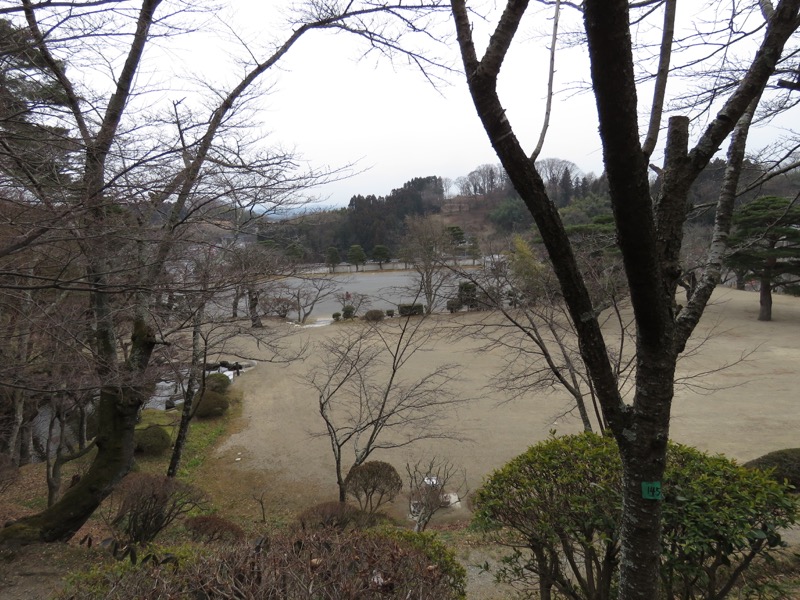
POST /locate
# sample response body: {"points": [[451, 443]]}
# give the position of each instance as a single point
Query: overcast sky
{"points": [[335, 109]]}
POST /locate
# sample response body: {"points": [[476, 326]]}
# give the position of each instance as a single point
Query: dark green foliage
{"points": [[218, 382], [212, 405], [411, 310], [212, 528], [332, 564], [374, 315], [372, 484], [334, 515], [765, 245], [356, 256], [332, 257], [454, 305], [336, 316], [456, 234], [468, 294], [381, 254], [511, 215], [152, 441], [143, 505], [782, 465], [390, 312], [348, 311], [563, 497]]}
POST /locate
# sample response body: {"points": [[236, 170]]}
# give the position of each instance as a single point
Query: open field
{"points": [[743, 411]]}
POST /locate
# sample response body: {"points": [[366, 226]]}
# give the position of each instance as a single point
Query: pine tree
{"points": [[766, 246]]}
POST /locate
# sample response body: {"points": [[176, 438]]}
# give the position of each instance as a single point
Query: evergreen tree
{"points": [[381, 254], [356, 255], [766, 246], [332, 258]]}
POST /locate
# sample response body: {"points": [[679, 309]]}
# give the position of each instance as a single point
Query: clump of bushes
{"points": [[333, 564], [334, 515], [151, 441], [374, 315], [411, 310], [564, 496], [212, 404], [348, 311], [337, 316], [782, 465], [217, 382], [212, 528], [453, 306]]}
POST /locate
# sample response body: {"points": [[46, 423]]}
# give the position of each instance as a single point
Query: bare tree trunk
{"points": [[765, 299], [252, 306], [192, 384]]}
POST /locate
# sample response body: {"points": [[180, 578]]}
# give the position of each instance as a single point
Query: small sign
{"points": [[651, 490]]}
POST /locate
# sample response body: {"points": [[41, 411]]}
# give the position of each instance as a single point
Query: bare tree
{"points": [[649, 231], [426, 247], [433, 483], [141, 180], [368, 403]]}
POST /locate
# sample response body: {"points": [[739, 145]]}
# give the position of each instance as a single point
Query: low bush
{"points": [[217, 382], [374, 315], [212, 528], [334, 515], [411, 310], [390, 313], [332, 564], [348, 311], [212, 405], [454, 306], [564, 496], [143, 505], [783, 465], [151, 441], [337, 316]]}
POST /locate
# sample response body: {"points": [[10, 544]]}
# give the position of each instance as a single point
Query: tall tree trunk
{"points": [[192, 384], [252, 306], [765, 299], [117, 412]]}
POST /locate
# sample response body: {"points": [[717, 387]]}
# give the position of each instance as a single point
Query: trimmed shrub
{"points": [[151, 441], [212, 405], [218, 382], [143, 505], [390, 312], [372, 484], [348, 311], [337, 316], [782, 465], [564, 495], [453, 306], [411, 310], [211, 528], [332, 564], [374, 315]]}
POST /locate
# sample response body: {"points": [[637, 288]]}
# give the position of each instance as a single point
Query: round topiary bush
{"points": [[334, 515], [374, 315], [212, 404], [349, 311], [372, 484], [152, 441], [337, 316], [217, 382], [784, 465], [390, 313]]}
